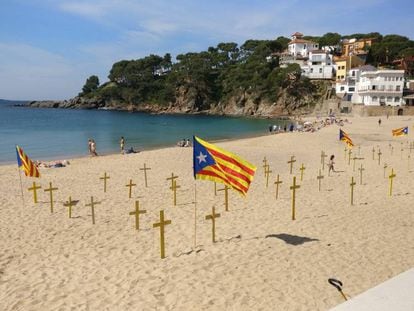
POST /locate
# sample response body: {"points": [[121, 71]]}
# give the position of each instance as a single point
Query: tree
{"points": [[91, 85]]}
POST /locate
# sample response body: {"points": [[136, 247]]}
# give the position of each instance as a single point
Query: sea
{"points": [[57, 134]]}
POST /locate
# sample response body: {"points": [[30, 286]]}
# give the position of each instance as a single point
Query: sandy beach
{"points": [[262, 260]]}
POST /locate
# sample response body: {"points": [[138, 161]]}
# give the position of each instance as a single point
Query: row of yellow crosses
{"points": [[319, 177], [137, 212]]}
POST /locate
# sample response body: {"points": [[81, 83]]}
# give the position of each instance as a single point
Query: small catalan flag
{"points": [[345, 137], [216, 164], [400, 132], [26, 164]]}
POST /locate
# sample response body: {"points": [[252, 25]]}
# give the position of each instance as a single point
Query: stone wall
{"points": [[372, 111]]}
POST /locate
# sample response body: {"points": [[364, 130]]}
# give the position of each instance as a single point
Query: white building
{"points": [[345, 89], [319, 65], [379, 88], [299, 47]]}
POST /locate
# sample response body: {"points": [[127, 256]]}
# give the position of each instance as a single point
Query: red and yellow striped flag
{"points": [[26, 164], [215, 164]]}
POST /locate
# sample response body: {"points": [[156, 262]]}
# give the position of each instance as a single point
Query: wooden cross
{"points": [[352, 184], [226, 197], [402, 149], [145, 169], [92, 205], [302, 168], [172, 179], [174, 188], [345, 150], [105, 177], [373, 153], [162, 225], [277, 182], [293, 188], [385, 168], [359, 149], [354, 159], [137, 212], [69, 204], [360, 174], [319, 178], [391, 177], [392, 149], [408, 163], [292, 160], [349, 156], [323, 156], [411, 146], [34, 189], [267, 173], [379, 156], [215, 188], [264, 164], [130, 185], [50, 190], [213, 217]]}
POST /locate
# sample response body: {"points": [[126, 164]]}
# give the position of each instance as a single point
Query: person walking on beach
{"points": [[379, 122], [89, 146], [93, 148], [122, 144], [331, 164]]}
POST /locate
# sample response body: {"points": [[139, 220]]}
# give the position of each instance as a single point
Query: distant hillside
{"points": [[13, 102]]}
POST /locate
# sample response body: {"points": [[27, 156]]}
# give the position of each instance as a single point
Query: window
{"points": [[398, 88], [342, 88], [353, 73], [311, 70], [320, 70], [352, 89], [374, 87], [396, 99], [389, 99], [375, 99]]}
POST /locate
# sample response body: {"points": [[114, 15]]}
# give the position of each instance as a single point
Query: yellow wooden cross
{"points": [[69, 204], [385, 168], [172, 178], [292, 160], [145, 169], [162, 225], [352, 184], [226, 197], [373, 153], [267, 173], [293, 188], [277, 182], [105, 177], [354, 159], [34, 189], [213, 217], [349, 156], [174, 188], [323, 156], [379, 156], [360, 174], [130, 185], [50, 190], [391, 177], [319, 177], [92, 205], [137, 212], [302, 168]]}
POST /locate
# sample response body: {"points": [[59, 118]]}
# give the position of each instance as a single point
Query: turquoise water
{"points": [[48, 134]]}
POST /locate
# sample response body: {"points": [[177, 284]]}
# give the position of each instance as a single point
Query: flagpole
{"points": [[195, 214], [21, 185]]}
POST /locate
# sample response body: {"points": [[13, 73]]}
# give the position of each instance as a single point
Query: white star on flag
{"points": [[201, 158]]}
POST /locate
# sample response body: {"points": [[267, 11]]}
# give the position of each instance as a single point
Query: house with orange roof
{"points": [[300, 47]]}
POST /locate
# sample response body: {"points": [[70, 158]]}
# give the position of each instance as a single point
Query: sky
{"points": [[48, 48]]}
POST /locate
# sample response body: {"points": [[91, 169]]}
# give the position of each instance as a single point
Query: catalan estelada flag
{"points": [[26, 164], [345, 137], [215, 164], [400, 132]]}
